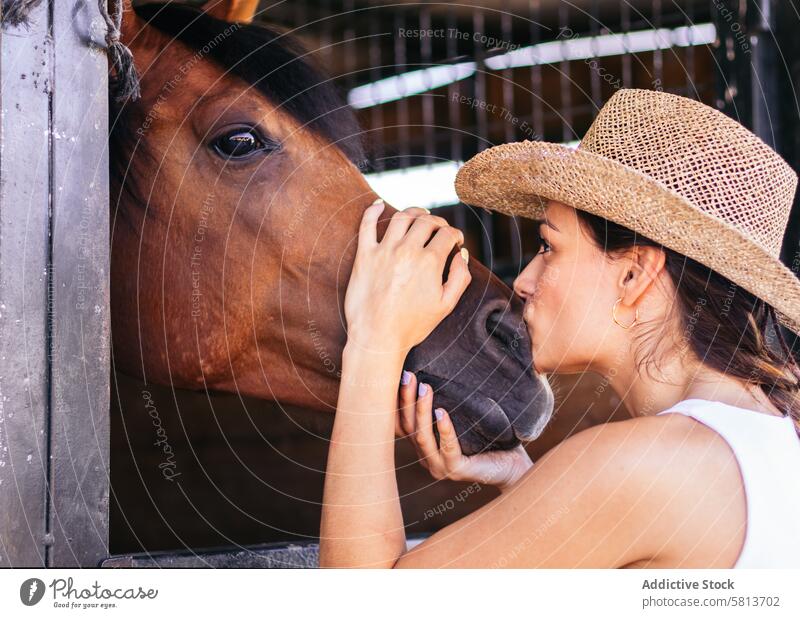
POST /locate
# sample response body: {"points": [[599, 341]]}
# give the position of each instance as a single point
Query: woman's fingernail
{"points": [[377, 202], [422, 389], [405, 378], [426, 210], [465, 254], [439, 414]]}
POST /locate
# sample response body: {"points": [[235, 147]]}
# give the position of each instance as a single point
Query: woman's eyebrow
{"points": [[548, 224]]}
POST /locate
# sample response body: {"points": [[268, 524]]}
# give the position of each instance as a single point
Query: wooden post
{"points": [[54, 289]]}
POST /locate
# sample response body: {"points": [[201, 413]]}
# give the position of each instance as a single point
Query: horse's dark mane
{"points": [[272, 62]]}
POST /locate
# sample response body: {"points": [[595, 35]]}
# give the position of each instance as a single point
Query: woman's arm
{"points": [[362, 523]]}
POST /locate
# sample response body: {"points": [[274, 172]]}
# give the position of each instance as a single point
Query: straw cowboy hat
{"points": [[675, 170]]}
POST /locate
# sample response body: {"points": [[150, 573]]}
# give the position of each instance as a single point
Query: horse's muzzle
{"points": [[478, 362]]}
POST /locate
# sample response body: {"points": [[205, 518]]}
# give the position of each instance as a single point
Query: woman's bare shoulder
{"points": [[613, 486], [703, 491], [647, 460], [663, 468], [643, 445], [632, 438], [639, 459]]}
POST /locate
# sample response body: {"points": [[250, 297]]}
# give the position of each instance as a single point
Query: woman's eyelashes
{"points": [[544, 246]]}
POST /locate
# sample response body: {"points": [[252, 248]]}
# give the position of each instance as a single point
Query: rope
{"points": [[125, 83], [17, 12]]}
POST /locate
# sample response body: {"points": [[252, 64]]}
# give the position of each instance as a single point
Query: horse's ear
{"points": [[231, 10], [132, 24]]}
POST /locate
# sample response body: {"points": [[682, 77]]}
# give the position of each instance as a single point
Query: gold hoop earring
{"points": [[614, 315]]}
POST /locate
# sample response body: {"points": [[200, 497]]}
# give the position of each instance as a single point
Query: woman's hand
{"points": [[395, 297], [500, 468]]}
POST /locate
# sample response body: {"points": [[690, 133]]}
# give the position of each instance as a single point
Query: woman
{"points": [[658, 270]]}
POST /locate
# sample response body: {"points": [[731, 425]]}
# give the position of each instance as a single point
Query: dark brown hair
{"points": [[726, 327]]}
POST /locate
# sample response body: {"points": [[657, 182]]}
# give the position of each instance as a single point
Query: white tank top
{"points": [[767, 450]]}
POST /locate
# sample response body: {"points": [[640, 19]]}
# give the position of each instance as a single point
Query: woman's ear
{"points": [[639, 269]]}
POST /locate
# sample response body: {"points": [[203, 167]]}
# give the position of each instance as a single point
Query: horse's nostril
{"points": [[493, 321], [502, 332]]}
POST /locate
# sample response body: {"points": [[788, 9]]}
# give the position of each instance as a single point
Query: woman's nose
{"points": [[524, 286], [525, 283]]}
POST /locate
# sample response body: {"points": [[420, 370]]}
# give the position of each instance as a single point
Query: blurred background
{"points": [[434, 83]]}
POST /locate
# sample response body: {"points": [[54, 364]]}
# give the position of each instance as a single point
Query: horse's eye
{"points": [[241, 143]]}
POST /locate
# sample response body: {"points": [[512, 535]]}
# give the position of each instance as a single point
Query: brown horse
{"points": [[237, 196]]}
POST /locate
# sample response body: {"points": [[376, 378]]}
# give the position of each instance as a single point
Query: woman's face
{"points": [[569, 289]]}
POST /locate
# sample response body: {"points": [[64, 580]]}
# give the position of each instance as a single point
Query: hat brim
{"points": [[519, 178]]}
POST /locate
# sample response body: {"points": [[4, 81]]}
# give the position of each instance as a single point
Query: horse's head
{"points": [[237, 201]]}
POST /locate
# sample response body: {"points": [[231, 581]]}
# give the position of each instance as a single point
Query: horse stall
{"points": [[109, 454]]}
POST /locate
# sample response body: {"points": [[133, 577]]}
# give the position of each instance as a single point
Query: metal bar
{"points": [[736, 71], [487, 221], [349, 47], [537, 114], [80, 337], [427, 99], [402, 105], [567, 128], [510, 132], [658, 54], [594, 77], [26, 59], [691, 84], [507, 83], [766, 59], [625, 22], [454, 115], [304, 555], [375, 135]]}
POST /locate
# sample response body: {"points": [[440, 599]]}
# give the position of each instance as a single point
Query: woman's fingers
{"points": [[408, 400], [424, 437], [417, 211], [406, 417], [445, 460], [449, 448], [422, 227], [400, 222], [458, 278], [368, 231], [444, 240]]}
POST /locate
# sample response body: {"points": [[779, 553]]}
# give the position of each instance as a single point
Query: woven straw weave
{"points": [[670, 168]]}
